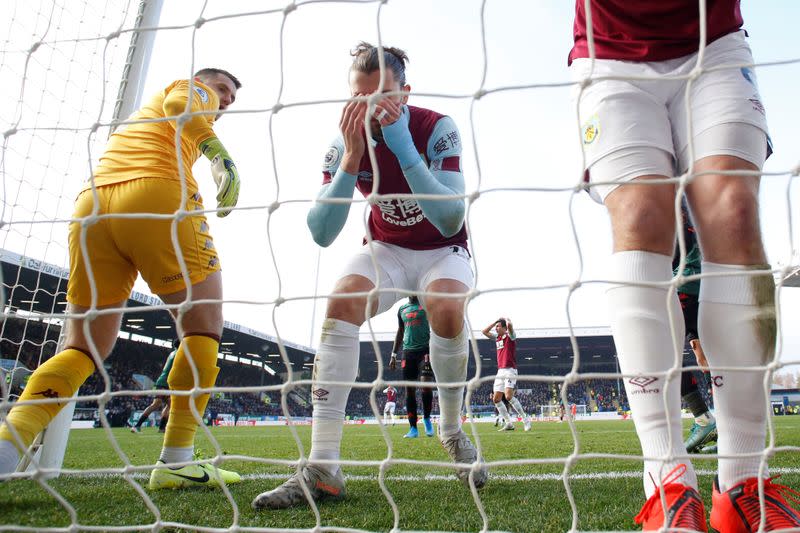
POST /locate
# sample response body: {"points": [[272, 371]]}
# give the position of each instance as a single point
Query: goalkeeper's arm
{"points": [[224, 173], [197, 129]]}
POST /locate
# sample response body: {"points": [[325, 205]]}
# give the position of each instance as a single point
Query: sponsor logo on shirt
{"points": [[202, 94], [401, 212], [446, 142]]}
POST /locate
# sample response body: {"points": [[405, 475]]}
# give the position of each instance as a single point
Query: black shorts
{"points": [[416, 365], [689, 306]]}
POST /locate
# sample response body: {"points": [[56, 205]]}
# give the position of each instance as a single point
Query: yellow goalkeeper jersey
{"points": [[147, 150]]}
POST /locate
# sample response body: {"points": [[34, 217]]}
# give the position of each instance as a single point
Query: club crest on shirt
{"points": [[202, 94], [591, 130]]}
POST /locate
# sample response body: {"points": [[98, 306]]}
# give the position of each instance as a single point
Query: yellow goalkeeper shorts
{"points": [[118, 248]]}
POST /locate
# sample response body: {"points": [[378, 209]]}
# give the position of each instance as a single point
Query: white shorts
{"points": [[638, 127], [506, 379], [409, 270], [389, 407]]}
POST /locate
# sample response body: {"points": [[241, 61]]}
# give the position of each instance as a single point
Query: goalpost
{"points": [[553, 411], [48, 450]]}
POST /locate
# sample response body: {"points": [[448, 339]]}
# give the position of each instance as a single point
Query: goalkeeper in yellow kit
{"points": [[141, 173]]}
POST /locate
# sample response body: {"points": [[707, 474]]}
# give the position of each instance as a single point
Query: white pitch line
{"points": [[449, 477]]}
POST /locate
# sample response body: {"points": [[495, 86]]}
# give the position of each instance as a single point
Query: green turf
{"points": [[512, 501]]}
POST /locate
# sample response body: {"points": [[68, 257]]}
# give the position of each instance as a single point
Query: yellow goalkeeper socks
{"points": [[182, 425], [59, 377]]}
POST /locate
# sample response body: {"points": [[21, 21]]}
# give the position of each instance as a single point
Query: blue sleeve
{"points": [[443, 177], [326, 220]]}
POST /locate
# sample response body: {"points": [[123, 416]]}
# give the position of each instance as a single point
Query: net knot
{"points": [[199, 22], [289, 8]]}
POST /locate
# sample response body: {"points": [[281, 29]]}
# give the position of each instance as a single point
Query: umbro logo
{"points": [[320, 394], [642, 381]]}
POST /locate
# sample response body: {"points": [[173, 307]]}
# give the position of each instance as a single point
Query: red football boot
{"points": [[684, 507], [738, 509]]}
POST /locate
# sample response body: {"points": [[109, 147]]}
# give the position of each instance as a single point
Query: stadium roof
{"points": [[793, 279], [34, 287], [539, 351]]}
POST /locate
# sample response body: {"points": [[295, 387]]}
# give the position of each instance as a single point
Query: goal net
{"points": [[73, 71]]}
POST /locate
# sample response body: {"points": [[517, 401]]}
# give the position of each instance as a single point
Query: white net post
{"points": [[50, 456], [56, 435]]}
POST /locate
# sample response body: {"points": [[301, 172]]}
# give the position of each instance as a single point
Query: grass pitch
{"points": [[519, 497]]}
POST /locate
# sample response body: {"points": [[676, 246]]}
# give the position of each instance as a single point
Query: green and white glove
{"points": [[225, 175]]}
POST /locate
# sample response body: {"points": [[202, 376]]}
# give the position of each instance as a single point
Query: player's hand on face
{"points": [[387, 111], [352, 126]]}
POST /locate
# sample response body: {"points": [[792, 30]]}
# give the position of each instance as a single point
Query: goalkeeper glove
{"points": [[224, 173]]}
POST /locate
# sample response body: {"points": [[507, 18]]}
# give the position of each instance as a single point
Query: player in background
{"points": [[636, 120], [704, 428], [159, 403], [505, 384], [139, 173], [413, 335], [573, 409], [417, 246], [498, 418], [391, 404], [562, 412]]}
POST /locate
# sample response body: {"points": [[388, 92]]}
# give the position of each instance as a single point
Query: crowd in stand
{"points": [[29, 342]]}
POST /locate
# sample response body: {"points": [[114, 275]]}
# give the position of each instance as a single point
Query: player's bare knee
{"points": [[202, 318], [446, 316], [352, 309], [736, 211], [642, 221], [729, 230]]}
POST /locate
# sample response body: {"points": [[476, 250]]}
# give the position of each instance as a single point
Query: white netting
{"points": [[61, 64]]}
